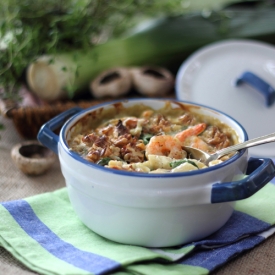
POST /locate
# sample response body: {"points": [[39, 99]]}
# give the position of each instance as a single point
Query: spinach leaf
{"points": [[104, 161], [176, 163], [146, 138]]}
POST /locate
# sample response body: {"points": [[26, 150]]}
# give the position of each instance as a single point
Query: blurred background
{"points": [[57, 54]]}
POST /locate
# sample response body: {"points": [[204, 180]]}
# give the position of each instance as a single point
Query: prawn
{"points": [[165, 145], [199, 143], [192, 131]]}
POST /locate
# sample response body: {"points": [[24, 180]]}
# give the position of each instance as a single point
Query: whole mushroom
{"points": [[152, 80], [111, 83], [32, 158]]}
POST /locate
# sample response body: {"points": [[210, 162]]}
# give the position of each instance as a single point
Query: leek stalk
{"points": [[166, 42]]}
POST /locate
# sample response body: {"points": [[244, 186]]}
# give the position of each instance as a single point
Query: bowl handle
{"points": [[259, 173], [46, 135], [259, 84]]}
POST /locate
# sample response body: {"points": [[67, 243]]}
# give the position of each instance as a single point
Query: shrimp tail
{"points": [[192, 131]]}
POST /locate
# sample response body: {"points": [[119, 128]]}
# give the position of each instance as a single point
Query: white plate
{"points": [[208, 77]]}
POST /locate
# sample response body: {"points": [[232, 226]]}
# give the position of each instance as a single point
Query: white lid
{"points": [[209, 75]]}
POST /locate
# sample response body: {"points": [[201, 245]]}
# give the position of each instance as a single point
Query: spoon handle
{"points": [[249, 143]]}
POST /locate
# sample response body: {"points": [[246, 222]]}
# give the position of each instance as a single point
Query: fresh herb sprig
{"points": [[32, 28]]}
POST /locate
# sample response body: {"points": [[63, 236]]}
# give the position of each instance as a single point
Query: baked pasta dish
{"points": [[142, 139]]}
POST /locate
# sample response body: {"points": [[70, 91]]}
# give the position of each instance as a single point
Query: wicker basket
{"points": [[28, 120]]}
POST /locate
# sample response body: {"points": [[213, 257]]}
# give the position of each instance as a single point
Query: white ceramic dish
{"points": [[154, 210], [209, 75]]}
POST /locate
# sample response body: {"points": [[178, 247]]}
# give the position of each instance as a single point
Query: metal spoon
{"points": [[206, 158]]}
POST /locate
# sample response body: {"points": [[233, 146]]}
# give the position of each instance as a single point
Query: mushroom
{"points": [[152, 81], [114, 82], [32, 158]]}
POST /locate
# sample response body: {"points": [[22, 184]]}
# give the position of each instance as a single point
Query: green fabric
{"points": [[168, 269], [258, 206]]}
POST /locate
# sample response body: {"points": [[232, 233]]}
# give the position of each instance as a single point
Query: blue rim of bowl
{"points": [[77, 157]]}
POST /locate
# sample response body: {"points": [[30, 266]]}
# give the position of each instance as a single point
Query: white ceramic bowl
{"points": [[154, 210]]}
